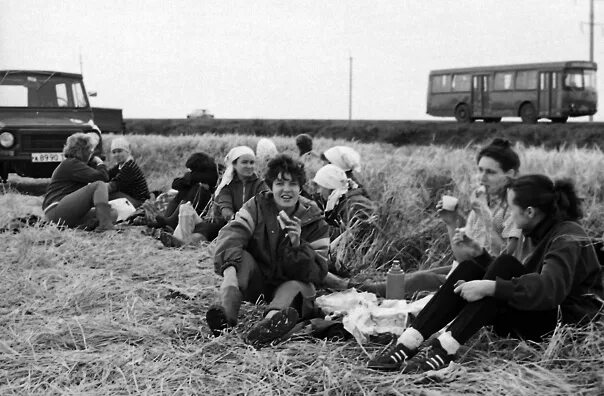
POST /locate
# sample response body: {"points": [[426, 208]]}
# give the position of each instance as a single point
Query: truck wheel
{"points": [[528, 113], [463, 114]]}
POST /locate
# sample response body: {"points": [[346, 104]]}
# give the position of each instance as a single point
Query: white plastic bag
{"points": [[364, 316], [187, 220], [123, 207]]}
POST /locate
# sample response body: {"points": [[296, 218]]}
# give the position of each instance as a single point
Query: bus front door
{"points": [[545, 93], [480, 96]]}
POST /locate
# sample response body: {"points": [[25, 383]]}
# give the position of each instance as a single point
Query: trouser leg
{"points": [[446, 304], [507, 320], [295, 294], [73, 208]]}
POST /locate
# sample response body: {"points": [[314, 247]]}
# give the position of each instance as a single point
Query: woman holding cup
{"points": [[489, 222]]}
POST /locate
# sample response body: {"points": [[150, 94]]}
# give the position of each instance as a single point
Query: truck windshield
{"points": [[18, 89]]}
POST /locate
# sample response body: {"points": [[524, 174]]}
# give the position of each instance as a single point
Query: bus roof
{"points": [[525, 66]]}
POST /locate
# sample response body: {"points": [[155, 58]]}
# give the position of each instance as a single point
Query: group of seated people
{"points": [[522, 261]]}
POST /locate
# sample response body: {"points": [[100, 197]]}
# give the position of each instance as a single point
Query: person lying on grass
{"points": [[347, 212], [79, 184], [489, 223], [126, 178], [553, 269], [276, 247], [238, 184]]}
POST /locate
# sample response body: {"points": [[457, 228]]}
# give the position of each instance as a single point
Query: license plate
{"points": [[47, 157]]}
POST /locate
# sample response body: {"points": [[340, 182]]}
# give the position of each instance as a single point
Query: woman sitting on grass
{"points": [[553, 269], [489, 223], [239, 183], [276, 247], [347, 212], [126, 178], [345, 158], [79, 184]]}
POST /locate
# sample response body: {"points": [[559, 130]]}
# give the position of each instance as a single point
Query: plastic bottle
{"points": [[395, 282]]}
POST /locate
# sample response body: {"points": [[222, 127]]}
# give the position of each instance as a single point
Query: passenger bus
{"points": [[554, 90]]}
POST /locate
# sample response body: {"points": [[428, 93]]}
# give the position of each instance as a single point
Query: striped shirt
{"points": [[129, 179]]}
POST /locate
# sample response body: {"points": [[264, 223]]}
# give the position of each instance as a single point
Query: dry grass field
{"points": [[86, 313]]}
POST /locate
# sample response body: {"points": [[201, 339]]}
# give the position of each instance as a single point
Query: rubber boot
{"points": [[105, 217], [224, 316]]}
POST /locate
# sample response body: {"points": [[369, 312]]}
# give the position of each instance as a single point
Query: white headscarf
{"points": [[344, 157], [265, 150], [334, 178], [229, 160]]}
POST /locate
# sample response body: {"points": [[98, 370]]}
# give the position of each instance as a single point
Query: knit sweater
{"points": [[130, 180], [563, 271], [256, 230], [71, 175]]}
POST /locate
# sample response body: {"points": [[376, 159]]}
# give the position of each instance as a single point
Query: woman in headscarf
{"points": [[238, 184], [265, 150], [347, 159], [347, 212], [79, 184], [126, 178]]}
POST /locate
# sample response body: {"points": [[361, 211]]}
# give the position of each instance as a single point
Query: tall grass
{"points": [[82, 313]]}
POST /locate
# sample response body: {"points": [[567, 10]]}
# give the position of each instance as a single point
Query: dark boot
{"points": [[105, 216], [224, 316]]}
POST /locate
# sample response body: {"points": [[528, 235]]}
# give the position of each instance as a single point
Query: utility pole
{"points": [[591, 39], [350, 89], [81, 63]]}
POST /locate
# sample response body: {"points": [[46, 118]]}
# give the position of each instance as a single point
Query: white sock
{"points": [[411, 338], [449, 344]]}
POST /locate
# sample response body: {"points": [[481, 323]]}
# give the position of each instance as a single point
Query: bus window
{"points": [[503, 81], [573, 79], [461, 82], [526, 79], [590, 79], [441, 83]]}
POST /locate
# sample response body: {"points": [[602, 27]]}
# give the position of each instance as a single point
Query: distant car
{"points": [[200, 113]]}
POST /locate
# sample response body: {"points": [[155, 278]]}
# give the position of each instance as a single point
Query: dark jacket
{"points": [[353, 210], [565, 272], [129, 180], [256, 230], [189, 179], [236, 193], [71, 175]]}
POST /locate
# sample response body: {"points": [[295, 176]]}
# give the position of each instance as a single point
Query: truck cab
{"points": [[38, 111]]}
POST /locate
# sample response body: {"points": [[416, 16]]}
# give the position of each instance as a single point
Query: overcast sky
{"points": [[284, 59]]}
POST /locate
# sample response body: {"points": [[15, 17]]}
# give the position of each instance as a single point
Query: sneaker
{"points": [[435, 358], [391, 359], [217, 320], [273, 328]]}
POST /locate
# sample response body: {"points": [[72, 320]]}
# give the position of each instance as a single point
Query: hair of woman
{"points": [[80, 145], [501, 151], [554, 198], [281, 165]]}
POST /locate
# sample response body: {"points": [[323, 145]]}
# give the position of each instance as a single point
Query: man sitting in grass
{"points": [[275, 248]]}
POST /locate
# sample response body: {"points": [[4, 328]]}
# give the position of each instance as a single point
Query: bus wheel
{"points": [[528, 113], [493, 119], [559, 120], [462, 113]]}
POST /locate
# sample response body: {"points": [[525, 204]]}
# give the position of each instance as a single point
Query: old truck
{"points": [[38, 111]]}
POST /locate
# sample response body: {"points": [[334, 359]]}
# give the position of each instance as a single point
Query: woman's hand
{"points": [[474, 290], [464, 248], [479, 203], [292, 228], [96, 160], [449, 217]]}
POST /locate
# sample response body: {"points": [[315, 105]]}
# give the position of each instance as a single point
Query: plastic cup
{"points": [[449, 202]]}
